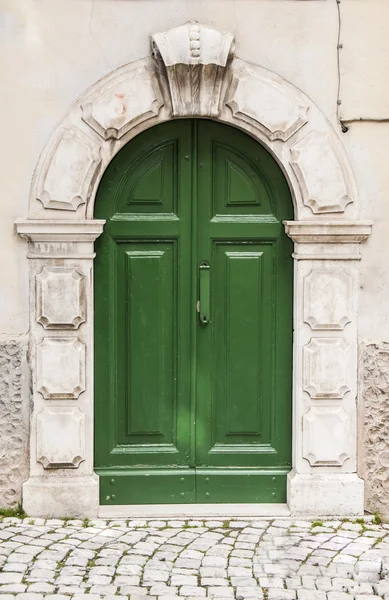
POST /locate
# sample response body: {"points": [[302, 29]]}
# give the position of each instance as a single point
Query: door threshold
{"points": [[185, 511]]}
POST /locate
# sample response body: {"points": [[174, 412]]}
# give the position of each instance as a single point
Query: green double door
{"points": [[193, 320]]}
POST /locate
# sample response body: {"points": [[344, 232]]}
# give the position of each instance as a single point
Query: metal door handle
{"points": [[204, 289]]}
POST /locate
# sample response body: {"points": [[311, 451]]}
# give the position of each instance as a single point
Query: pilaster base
{"points": [[71, 497], [325, 494]]}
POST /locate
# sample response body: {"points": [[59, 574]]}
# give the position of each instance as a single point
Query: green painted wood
{"points": [[143, 310], [154, 486], [242, 485], [192, 411]]}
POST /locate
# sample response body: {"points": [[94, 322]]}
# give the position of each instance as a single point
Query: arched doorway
{"points": [[193, 320]]}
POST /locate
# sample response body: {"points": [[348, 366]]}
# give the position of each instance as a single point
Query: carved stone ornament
{"points": [[321, 173], [60, 437], [128, 99], [328, 298], [195, 58], [326, 368], [71, 164], [60, 298], [326, 436], [60, 368], [257, 98]]}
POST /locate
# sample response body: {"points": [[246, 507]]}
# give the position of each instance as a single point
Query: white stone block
{"points": [[70, 166], [66, 497], [326, 436], [326, 365], [60, 297], [328, 298], [259, 100], [321, 173], [60, 437], [60, 367], [131, 98], [325, 494]]}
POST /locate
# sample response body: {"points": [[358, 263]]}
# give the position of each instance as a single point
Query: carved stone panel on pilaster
{"points": [[70, 166], [60, 368], [326, 436], [328, 298], [127, 100], [60, 297], [60, 437], [326, 366]]}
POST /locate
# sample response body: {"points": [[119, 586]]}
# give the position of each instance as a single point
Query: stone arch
{"points": [[193, 72], [178, 83]]}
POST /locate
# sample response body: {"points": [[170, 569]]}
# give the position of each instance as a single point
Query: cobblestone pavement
{"points": [[165, 559]]}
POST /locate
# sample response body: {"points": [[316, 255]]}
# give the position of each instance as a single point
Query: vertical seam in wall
{"points": [[339, 46]]}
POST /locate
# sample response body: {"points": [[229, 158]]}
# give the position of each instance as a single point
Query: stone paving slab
{"points": [[237, 559]]}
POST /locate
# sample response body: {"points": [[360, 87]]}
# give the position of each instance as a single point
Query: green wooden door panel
{"points": [[238, 187], [142, 309], [147, 309], [154, 180], [243, 410], [154, 486], [188, 411], [149, 184], [242, 486], [241, 333]]}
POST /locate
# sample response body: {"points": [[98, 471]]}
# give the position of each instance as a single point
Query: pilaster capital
{"points": [[52, 238]]}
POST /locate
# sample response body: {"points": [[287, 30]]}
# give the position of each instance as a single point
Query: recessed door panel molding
{"points": [[241, 350], [149, 366], [240, 186], [150, 183]]}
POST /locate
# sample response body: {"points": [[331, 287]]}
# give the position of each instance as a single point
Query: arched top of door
{"points": [[192, 71]]}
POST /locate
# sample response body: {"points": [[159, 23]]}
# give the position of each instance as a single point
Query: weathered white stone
{"points": [[326, 436], [14, 419], [71, 164], [258, 98], [60, 367], [326, 368], [328, 298], [61, 437], [316, 160], [327, 494], [195, 59], [60, 298], [123, 103], [374, 443]]}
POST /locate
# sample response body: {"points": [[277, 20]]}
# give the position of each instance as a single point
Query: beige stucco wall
{"points": [[50, 52]]}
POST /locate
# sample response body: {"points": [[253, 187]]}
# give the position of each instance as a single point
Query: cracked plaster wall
{"points": [[374, 426], [13, 421]]}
